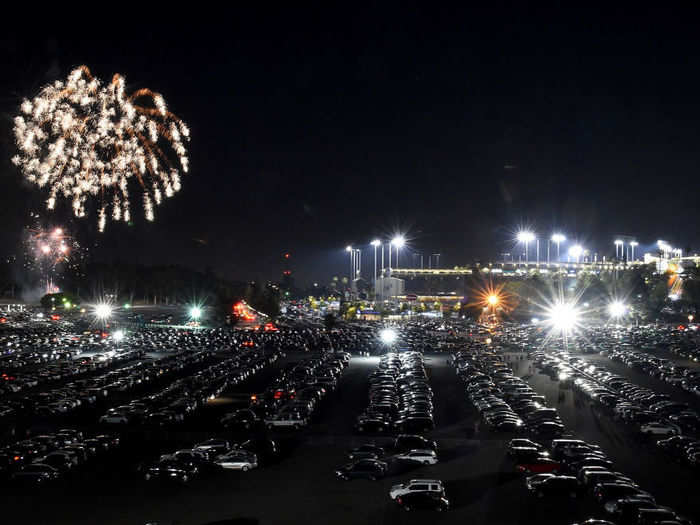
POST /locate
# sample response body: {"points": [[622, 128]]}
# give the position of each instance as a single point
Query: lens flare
{"points": [[388, 336], [563, 316]]}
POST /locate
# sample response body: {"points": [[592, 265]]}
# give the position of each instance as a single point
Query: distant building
{"points": [[389, 287], [369, 315]]}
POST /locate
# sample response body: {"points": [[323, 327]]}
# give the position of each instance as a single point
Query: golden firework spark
{"points": [[84, 140]]}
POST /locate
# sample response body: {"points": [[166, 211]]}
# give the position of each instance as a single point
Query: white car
{"points": [[417, 485], [658, 428], [237, 460], [426, 457]]}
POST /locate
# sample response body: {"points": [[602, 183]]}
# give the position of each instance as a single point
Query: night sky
{"points": [[315, 129]]}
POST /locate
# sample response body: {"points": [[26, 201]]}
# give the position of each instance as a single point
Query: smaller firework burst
{"points": [[51, 252]]}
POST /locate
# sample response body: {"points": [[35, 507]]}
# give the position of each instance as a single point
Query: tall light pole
{"points": [[349, 249], [399, 241], [619, 248], [632, 245], [526, 237], [375, 243], [557, 238]]}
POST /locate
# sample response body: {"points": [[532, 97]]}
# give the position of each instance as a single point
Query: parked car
{"points": [[237, 459], [170, 470], [364, 468], [423, 501], [417, 485], [425, 457]]}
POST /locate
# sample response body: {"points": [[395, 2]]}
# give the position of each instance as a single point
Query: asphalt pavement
{"points": [[301, 487]]}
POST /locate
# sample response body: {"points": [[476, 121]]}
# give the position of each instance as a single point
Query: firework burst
{"points": [[50, 252], [84, 140]]}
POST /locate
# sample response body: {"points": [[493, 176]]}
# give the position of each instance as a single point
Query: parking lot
{"points": [[300, 484]]}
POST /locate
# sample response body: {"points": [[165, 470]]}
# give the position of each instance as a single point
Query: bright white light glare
{"points": [[388, 336], [526, 236], [563, 316], [534, 320], [563, 376], [348, 248], [376, 242], [398, 241], [558, 237], [634, 243], [674, 296], [103, 311], [576, 250], [118, 335], [617, 309], [618, 242], [195, 312]]}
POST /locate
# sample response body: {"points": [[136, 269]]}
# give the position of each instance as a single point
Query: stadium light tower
{"points": [[633, 244], [398, 241], [619, 247], [576, 251], [557, 239], [375, 243], [526, 237]]}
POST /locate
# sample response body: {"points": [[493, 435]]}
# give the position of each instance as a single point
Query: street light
{"points": [[563, 316], [118, 335], [195, 313], [103, 311], [617, 309], [576, 251], [526, 237], [557, 238], [399, 241], [633, 244], [388, 336]]}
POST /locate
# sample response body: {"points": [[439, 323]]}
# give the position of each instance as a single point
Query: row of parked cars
{"points": [[650, 413], [181, 398], [294, 397], [46, 457], [664, 369], [209, 457], [572, 468], [400, 396], [505, 402], [371, 461]]}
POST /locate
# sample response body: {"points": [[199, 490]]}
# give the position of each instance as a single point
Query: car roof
{"points": [[426, 481]]}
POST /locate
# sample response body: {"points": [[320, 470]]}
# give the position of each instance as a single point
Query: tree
{"points": [[329, 321], [58, 300]]}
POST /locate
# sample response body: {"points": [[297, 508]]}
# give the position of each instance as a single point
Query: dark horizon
{"points": [[454, 127]]}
